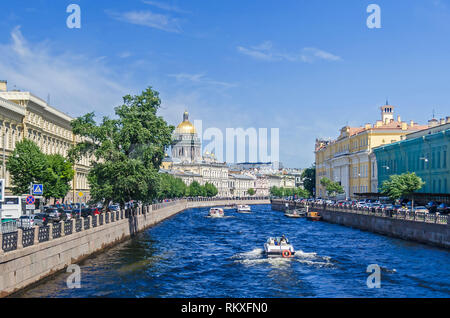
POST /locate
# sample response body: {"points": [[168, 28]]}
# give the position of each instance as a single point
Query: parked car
{"points": [[432, 206], [443, 208], [420, 209], [28, 221], [55, 214]]}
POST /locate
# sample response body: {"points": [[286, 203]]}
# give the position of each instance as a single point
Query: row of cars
{"points": [[431, 207], [62, 212]]}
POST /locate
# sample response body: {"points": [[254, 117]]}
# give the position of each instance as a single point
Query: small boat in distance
{"points": [[216, 213], [243, 209], [295, 214], [314, 216], [278, 247]]}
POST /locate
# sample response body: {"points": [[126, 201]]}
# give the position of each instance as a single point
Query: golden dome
{"points": [[186, 127]]}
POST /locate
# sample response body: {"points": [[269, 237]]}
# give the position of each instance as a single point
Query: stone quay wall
{"points": [[427, 229], [27, 256]]}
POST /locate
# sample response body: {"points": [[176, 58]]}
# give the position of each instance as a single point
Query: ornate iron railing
{"points": [[44, 233], [78, 225], [86, 223], [68, 227], [94, 221], [100, 219], [9, 242], [56, 230], [28, 237]]}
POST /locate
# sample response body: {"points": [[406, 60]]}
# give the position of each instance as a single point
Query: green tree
{"points": [[309, 179], [128, 150], [251, 192], [332, 188], [57, 177], [26, 165], [210, 189], [276, 192], [401, 186], [196, 190]]}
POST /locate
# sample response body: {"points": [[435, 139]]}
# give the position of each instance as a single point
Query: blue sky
{"points": [[305, 67]]}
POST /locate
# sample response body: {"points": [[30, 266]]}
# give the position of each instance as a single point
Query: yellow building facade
{"points": [[349, 159], [23, 115]]}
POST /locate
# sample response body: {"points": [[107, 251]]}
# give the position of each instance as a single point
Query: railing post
{"points": [[19, 239], [62, 228], [1, 243], [50, 231], [90, 221], [74, 225], [82, 223], [36, 235]]}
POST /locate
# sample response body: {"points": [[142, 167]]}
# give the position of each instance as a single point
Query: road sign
{"points": [[30, 207], [2, 189], [80, 194], [30, 199], [38, 189]]}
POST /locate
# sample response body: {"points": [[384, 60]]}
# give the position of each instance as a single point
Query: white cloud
{"points": [[77, 84], [265, 52], [149, 19], [165, 6], [200, 79]]}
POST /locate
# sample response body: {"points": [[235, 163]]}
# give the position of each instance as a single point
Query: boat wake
{"points": [[256, 257]]}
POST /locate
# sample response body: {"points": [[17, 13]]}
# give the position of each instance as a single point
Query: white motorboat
{"points": [[279, 247], [243, 209], [216, 213], [295, 214]]}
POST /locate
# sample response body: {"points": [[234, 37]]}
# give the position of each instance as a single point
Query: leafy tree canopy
{"points": [[128, 150], [399, 186]]}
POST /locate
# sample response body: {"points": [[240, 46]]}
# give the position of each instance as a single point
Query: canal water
{"points": [[191, 255]]}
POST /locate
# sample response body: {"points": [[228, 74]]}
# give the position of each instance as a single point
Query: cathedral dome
{"points": [[186, 127]]}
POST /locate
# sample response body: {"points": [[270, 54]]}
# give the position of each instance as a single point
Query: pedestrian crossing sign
{"points": [[38, 189]]}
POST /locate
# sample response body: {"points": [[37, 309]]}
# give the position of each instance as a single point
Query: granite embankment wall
{"points": [[40, 252], [425, 230]]}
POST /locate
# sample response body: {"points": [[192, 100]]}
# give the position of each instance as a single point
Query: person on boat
{"points": [[283, 240]]}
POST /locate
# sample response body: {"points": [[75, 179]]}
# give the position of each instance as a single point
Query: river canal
{"points": [[191, 255]]}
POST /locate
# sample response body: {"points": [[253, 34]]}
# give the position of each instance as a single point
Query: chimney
{"points": [[3, 86], [399, 119]]}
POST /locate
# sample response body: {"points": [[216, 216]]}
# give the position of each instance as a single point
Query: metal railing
{"points": [[68, 227], [56, 231], [44, 233], [8, 226], [395, 214], [9, 241], [28, 237]]}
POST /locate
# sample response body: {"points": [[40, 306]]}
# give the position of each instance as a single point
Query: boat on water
{"points": [[296, 213], [279, 247], [314, 216], [243, 208], [216, 213]]}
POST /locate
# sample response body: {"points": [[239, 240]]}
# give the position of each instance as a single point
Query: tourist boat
{"points": [[295, 214], [314, 216], [278, 247], [216, 213], [243, 209]]}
